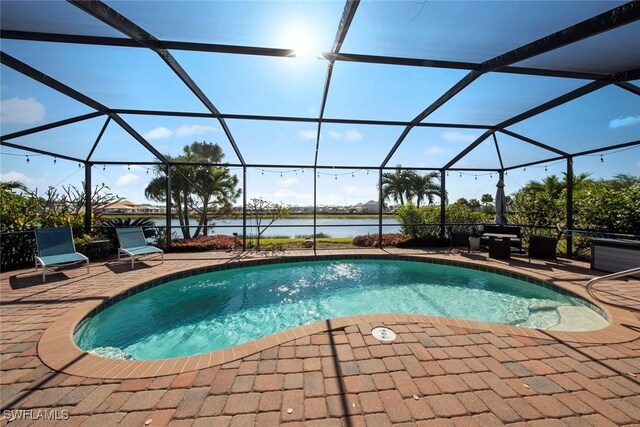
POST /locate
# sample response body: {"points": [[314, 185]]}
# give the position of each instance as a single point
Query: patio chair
{"points": [[134, 244], [55, 249], [500, 248], [458, 239], [543, 247]]}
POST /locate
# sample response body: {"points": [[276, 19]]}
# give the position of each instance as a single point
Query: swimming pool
{"points": [[212, 311]]}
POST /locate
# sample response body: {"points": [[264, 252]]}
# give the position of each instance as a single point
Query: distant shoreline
{"points": [[323, 215]]}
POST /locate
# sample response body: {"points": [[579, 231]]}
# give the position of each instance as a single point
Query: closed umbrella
{"points": [[501, 204]]}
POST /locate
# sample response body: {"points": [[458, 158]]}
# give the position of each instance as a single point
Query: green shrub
{"points": [[371, 240], [205, 243]]}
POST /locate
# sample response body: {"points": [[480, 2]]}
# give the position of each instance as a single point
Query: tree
{"points": [[403, 186], [487, 202], [623, 180], [423, 187], [206, 192], [486, 199], [396, 185], [263, 210]]}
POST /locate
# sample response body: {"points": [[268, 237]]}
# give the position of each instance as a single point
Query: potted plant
{"points": [[474, 239]]}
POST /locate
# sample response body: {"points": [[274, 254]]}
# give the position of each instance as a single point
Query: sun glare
{"points": [[303, 42]]}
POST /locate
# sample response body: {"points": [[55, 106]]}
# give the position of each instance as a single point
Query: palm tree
{"points": [[13, 185], [204, 190], [424, 187], [396, 185], [623, 180]]}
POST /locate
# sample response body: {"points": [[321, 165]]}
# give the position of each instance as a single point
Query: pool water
{"points": [[217, 310]]}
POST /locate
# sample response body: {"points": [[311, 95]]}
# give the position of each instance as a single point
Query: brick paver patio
{"points": [[439, 371]]}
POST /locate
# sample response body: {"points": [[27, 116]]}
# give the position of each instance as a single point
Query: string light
{"points": [[104, 167], [545, 168], [601, 159], [352, 175], [128, 167], [524, 170], [28, 159], [55, 160]]}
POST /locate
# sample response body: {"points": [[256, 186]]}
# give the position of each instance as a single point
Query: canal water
{"points": [[298, 227]]}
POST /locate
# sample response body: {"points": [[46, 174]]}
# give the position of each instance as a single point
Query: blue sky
{"points": [[138, 79]]}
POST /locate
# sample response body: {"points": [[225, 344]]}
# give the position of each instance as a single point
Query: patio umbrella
{"points": [[501, 204]]}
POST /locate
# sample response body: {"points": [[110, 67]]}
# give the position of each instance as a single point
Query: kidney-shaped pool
{"points": [[213, 311]]}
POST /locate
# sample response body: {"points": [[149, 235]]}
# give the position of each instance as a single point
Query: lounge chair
{"points": [[134, 244], [56, 248]]}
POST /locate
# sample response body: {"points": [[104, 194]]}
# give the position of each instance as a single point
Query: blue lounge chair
{"points": [[56, 248], [134, 244]]}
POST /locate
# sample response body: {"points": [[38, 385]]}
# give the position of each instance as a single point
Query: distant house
{"points": [[370, 206], [126, 206]]}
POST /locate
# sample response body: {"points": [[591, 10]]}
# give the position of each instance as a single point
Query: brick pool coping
{"points": [[57, 349]]}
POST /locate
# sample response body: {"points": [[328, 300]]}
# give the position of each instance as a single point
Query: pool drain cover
{"points": [[383, 334]]}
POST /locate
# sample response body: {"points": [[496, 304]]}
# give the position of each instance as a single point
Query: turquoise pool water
{"points": [[213, 311]]}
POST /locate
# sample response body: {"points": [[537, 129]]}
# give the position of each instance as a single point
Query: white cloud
{"points": [[625, 121], [134, 168], [180, 132], [353, 135], [307, 134], [288, 181], [289, 196], [458, 137], [366, 192], [349, 135], [158, 133], [434, 149], [128, 180], [185, 130], [21, 111], [16, 176]]}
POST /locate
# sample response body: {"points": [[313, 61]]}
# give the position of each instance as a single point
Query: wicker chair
{"points": [[543, 248], [500, 248]]}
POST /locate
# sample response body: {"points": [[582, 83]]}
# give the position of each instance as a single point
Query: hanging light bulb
{"points": [[302, 170], [352, 175], [128, 167], [460, 175], [447, 173], [318, 175], [601, 159], [28, 159], [55, 160], [104, 167], [476, 177], [336, 177], [280, 174], [262, 172], [545, 168], [524, 170], [79, 165], [367, 171]]}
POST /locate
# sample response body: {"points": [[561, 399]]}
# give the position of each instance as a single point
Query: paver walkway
{"points": [[435, 373]]}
